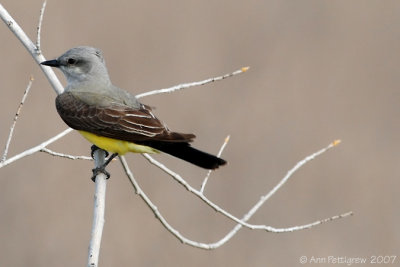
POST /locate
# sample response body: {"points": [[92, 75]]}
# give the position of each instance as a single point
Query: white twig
{"points": [[262, 200], [310, 225], [187, 85], [240, 222], [203, 185], [49, 73], [62, 155], [286, 178], [237, 227], [156, 212], [39, 27], [4, 157], [201, 245], [35, 148], [31, 47], [98, 211]]}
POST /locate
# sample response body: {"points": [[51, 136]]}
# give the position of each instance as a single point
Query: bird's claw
{"points": [[98, 170], [93, 148]]}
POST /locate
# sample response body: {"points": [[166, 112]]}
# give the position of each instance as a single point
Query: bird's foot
{"points": [[93, 148], [102, 168]]}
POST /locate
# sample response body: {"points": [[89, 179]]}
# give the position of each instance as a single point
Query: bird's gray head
{"points": [[81, 64]]}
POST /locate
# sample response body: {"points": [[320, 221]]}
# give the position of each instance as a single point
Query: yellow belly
{"points": [[116, 146]]}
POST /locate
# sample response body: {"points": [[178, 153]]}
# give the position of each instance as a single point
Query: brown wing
{"points": [[117, 121]]}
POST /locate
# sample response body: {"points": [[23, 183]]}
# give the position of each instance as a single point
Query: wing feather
{"points": [[116, 121]]}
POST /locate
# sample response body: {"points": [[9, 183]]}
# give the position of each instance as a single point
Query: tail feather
{"points": [[187, 153]]}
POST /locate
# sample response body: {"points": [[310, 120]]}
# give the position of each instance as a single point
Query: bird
{"points": [[113, 119]]}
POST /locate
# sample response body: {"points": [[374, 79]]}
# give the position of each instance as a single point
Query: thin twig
{"points": [[240, 224], [4, 157], [203, 185], [62, 155], [31, 47], [98, 211], [156, 212], [286, 178], [237, 227], [310, 225], [39, 27], [187, 85], [262, 200], [35, 149]]}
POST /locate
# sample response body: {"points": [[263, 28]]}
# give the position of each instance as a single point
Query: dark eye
{"points": [[71, 61]]}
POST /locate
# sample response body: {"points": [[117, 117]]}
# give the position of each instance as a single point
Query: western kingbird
{"points": [[112, 118]]}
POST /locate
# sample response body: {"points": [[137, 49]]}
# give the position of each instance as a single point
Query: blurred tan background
{"points": [[320, 70]]}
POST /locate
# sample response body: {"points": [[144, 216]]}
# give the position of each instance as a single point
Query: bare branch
{"points": [[35, 149], [31, 47], [154, 208], [310, 225], [3, 158], [39, 27], [62, 155], [290, 173], [262, 200], [98, 211], [228, 236], [187, 85], [203, 185]]}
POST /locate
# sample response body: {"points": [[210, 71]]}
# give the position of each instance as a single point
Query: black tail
{"points": [[187, 153]]}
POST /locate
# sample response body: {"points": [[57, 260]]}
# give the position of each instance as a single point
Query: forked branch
{"points": [[240, 222]]}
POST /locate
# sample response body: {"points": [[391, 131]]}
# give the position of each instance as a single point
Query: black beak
{"points": [[51, 63]]}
